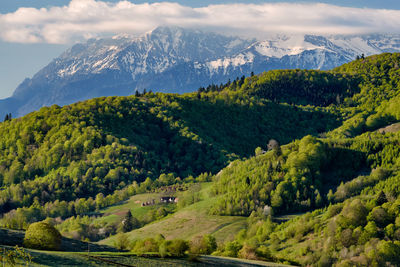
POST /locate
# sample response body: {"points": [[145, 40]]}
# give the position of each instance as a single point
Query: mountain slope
{"points": [[104, 145], [357, 223], [178, 60]]}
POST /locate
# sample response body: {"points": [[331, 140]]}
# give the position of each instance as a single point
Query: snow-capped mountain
{"points": [[179, 60]]}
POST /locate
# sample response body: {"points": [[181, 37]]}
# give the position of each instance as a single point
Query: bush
{"points": [[379, 216], [146, 245], [122, 241], [203, 245], [42, 235], [173, 248], [232, 249], [248, 252], [354, 214], [178, 247]]}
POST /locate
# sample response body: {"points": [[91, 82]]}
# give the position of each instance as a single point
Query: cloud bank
{"points": [[83, 19]]}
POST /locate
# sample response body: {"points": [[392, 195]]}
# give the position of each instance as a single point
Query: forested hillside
{"points": [[351, 174], [276, 143], [98, 146]]}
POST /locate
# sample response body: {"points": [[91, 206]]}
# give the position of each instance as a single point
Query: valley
{"points": [[290, 167]]}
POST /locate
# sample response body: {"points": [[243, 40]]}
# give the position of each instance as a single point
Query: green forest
{"points": [[308, 160]]}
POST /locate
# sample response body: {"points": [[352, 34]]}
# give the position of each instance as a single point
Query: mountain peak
{"points": [[169, 30]]}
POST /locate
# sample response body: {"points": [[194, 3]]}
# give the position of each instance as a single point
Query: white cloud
{"points": [[83, 19]]}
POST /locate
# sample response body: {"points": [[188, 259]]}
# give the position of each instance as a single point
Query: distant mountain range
{"points": [[179, 60]]}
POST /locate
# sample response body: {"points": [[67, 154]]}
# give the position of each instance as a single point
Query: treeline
{"points": [[380, 79], [300, 87], [199, 245]]}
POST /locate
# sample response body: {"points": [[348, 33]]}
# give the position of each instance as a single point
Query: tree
{"points": [[381, 198], [178, 247], [274, 145], [203, 245], [380, 216], [8, 117], [129, 222], [122, 241], [354, 213], [258, 151], [42, 235]]}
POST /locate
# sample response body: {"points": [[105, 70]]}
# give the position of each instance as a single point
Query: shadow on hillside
{"points": [[240, 128], [229, 127], [344, 165], [14, 237]]}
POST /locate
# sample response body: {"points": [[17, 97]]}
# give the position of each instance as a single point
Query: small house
{"points": [[167, 199]]}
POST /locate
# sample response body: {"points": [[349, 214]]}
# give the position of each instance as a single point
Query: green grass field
{"points": [[186, 223], [67, 259], [115, 212]]}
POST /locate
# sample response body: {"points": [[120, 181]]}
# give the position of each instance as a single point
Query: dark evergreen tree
{"points": [[381, 198], [127, 222]]}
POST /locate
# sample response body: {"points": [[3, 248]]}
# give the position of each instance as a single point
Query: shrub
{"points": [[232, 249], [203, 244], [42, 235], [379, 216], [248, 252], [173, 248], [122, 241], [146, 245], [178, 247], [354, 214]]}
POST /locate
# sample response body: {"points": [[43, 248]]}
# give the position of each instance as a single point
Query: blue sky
{"points": [[38, 37], [12, 5]]}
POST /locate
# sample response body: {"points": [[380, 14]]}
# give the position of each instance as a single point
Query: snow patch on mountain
{"points": [[240, 59], [284, 45]]}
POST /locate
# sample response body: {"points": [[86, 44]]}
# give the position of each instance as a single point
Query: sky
{"points": [[33, 32]]}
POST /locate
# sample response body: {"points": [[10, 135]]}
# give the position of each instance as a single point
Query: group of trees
{"points": [[288, 179], [199, 245], [20, 218], [359, 224]]}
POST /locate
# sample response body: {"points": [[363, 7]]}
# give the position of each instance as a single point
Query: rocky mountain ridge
{"points": [[179, 60]]}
